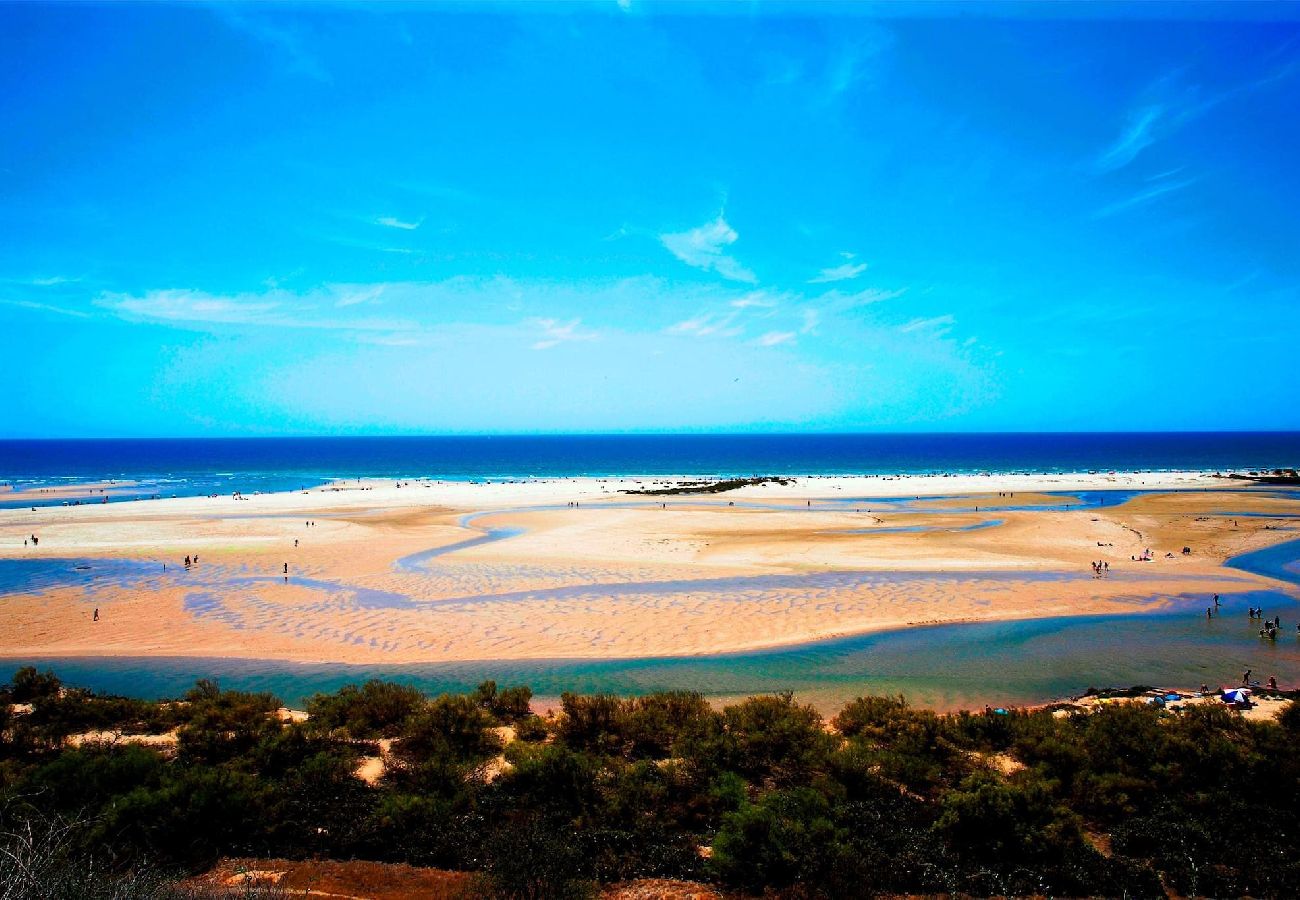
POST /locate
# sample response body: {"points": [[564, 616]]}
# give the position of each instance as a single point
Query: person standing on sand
{"points": [[1245, 679], [96, 618]]}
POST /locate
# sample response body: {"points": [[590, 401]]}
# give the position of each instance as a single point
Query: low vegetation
{"points": [[762, 796]]}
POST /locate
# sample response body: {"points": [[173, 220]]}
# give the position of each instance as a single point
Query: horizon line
{"points": [[641, 434]]}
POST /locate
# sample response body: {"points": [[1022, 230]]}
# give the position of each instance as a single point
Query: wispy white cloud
{"points": [[1137, 135], [355, 295], [276, 33], [937, 324], [1144, 196], [1171, 103], [708, 326], [756, 300], [837, 301], [703, 248], [46, 307], [845, 271], [42, 281], [773, 338], [855, 63], [274, 308], [393, 222], [194, 306], [555, 333]]}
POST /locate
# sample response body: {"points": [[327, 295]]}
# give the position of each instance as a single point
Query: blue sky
{"points": [[243, 220]]}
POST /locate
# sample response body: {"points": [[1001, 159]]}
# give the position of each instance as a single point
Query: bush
{"points": [[452, 726], [28, 685], [222, 725], [375, 709], [537, 859], [509, 705], [531, 728], [654, 726], [591, 722], [787, 837], [769, 739]]}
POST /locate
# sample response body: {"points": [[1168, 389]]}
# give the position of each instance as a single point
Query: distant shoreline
{"points": [[471, 492]]}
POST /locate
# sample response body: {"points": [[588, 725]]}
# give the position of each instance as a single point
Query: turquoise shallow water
{"points": [[947, 667]]}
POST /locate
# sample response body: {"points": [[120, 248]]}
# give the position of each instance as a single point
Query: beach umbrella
{"points": [[1237, 695]]}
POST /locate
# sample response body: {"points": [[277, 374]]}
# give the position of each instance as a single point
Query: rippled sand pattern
{"points": [[415, 584]]}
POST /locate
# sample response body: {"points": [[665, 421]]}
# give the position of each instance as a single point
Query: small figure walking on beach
{"points": [[1216, 601], [96, 618], [1245, 679]]}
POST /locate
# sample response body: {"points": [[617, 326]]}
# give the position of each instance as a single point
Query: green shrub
{"points": [[375, 709], [452, 726], [28, 685]]}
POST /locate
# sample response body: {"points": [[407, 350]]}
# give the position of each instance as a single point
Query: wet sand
{"points": [[524, 575]]}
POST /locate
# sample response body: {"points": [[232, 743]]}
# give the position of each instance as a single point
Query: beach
{"points": [[417, 571]]}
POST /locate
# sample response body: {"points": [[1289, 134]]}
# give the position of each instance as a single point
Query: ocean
{"points": [[194, 466]]}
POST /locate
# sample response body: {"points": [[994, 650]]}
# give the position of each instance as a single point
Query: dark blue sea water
{"points": [[202, 466]]}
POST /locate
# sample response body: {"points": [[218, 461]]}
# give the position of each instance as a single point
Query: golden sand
{"points": [[605, 579]]}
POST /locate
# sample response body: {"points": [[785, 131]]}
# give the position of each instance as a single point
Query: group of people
{"points": [[1100, 568], [33, 539], [1271, 626]]}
